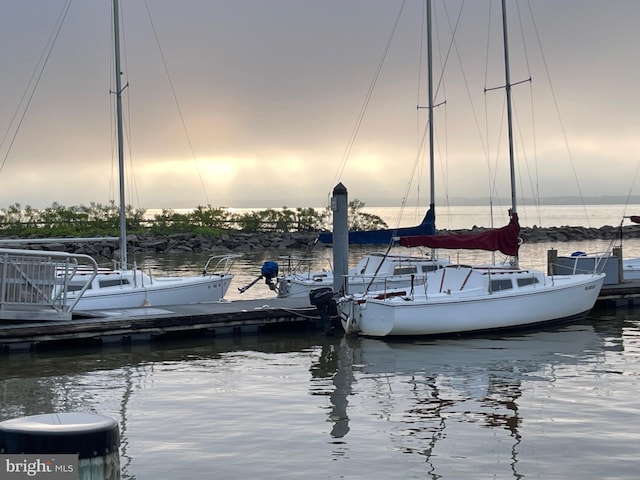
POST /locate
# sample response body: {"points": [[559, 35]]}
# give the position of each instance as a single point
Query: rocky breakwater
{"points": [[175, 243], [249, 242], [566, 233]]}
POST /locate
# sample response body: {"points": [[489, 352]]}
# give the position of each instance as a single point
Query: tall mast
{"points": [[507, 75], [432, 182], [120, 143], [430, 83]]}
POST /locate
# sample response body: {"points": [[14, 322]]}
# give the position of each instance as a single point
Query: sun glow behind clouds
{"points": [[219, 169]]}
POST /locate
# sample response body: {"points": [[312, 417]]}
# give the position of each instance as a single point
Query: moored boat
{"points": [[374, 271], [126, 287], [462, 299]]}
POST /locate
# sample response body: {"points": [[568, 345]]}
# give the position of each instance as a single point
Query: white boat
{"points": [[127, 287], [374, 271], [622, 269], [130, 288], [460, 299]]}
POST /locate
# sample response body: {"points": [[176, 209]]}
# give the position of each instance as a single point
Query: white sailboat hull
{"points": [[474, 309], [147, 292]]}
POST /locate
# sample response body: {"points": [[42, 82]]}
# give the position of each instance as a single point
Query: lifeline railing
{"points": [[34, 283]]}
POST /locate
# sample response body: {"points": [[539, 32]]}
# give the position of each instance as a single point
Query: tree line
{"points": [[97, 219]]}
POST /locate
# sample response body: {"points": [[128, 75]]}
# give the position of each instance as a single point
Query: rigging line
{"points": [[363, 108], [555, 103], [423, 31], [33, 83], [175, 98], [443, 151], [131, 184], [453, 28], [113, 140], [420, 136], [486, 113], [439, 85], [522, 153], [454, 46], [633, 181], [493, 168], [535, 189]]}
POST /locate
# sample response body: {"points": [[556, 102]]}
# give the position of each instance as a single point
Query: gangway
{"points": [[34, 283]]}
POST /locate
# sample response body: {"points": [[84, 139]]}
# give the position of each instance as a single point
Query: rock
{"points": [[249, 242]]}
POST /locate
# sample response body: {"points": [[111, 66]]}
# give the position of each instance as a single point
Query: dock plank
{"points": [[211, 318]]}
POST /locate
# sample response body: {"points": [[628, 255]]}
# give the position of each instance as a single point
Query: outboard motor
{"points": [[322, 299], [269, 271]]}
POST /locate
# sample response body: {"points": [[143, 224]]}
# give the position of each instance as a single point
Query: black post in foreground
{"points": [[62, 446]]}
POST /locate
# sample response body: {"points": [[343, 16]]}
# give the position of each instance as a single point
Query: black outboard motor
{"points": [[322, 299], [269, 271]]}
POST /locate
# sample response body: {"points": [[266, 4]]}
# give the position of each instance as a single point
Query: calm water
{"points": [[556, 403]]}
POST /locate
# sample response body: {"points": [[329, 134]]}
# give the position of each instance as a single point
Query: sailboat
{"points": [[461, 298], [130, 287], [376, 270]]}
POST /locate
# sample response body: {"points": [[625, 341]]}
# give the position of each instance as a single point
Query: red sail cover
{"points": [[503, 239], [635, 218]]}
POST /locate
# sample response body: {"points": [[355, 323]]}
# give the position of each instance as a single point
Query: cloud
{"points": [[255, 102]]}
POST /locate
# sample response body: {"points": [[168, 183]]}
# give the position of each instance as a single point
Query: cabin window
{"points": [[404, 270], [76, 288], [498, 285], [523, 282], [116, 282], [429, 268]]}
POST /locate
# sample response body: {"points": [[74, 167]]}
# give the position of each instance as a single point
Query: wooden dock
{"points": [[145, 324], [625, 294], [151, 323]]}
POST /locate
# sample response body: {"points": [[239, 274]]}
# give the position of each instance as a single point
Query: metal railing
{"points": [[33, 283]]}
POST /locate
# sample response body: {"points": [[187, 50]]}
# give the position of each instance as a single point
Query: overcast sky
{"points": [[270, 92]]}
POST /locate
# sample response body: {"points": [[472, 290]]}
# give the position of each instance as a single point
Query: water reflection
{"points": [[490, 406], [433, 393], [334, 363]]}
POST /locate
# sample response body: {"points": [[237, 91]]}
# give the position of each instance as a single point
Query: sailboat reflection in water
{"points": [[426, 396]]}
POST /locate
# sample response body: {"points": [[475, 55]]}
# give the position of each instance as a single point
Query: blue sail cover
{"points": [[384, 237]]}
